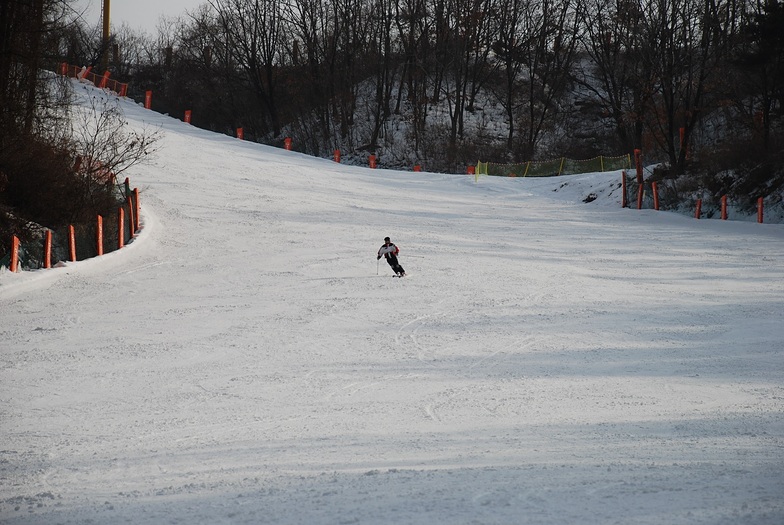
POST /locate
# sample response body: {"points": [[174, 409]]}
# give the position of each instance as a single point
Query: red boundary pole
{"points": [[698, 211], [760, 206], [14, 253], [120, 227], [71, 243], [640, 190], [99, 235], [48, 249], [655, 196], [131, 221], [724, 208], [136, 215]]}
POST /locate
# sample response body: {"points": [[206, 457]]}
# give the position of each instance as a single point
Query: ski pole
{"points": [[377, 261]]}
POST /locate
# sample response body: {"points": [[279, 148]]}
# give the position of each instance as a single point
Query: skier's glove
{"points": [[379, 257]]}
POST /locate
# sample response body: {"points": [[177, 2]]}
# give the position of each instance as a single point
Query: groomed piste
{"points": [[545, 361]]}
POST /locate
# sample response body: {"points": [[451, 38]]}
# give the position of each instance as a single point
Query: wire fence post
{"points": [[624, 197]]}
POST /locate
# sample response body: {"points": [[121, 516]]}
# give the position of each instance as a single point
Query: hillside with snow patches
{"points": [[246, 359]]}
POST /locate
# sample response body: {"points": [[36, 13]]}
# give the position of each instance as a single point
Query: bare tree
{"points": [[346, 68], [129, 50], [312, 24], [685, 43], [382, 57], [207, 80], [253, 36], [414, 25], [616, 74], [508, 16], [549, 32], [461, 57], [484, 31], [104, 141], [759, 58]]}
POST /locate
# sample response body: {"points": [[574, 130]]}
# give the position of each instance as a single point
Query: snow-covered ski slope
{"points": [[546, 361]]}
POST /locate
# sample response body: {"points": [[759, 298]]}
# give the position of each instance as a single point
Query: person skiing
{"points": [[390, 251]]}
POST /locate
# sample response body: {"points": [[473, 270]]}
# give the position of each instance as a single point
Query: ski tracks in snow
{"points": [[432, 340], [408, 332]]}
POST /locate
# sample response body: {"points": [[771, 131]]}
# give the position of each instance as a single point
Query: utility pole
{"points": [[105, 9]]}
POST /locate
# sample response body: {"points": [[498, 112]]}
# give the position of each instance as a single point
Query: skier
{"points": [[390, 251]]}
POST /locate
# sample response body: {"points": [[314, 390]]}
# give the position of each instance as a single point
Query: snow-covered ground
{"points": [[245, 359]]}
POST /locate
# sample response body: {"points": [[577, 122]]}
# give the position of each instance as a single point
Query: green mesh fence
{"points": [[552, 168]]}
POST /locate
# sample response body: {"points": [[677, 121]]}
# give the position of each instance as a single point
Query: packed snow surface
{"points": [[246, 359]]}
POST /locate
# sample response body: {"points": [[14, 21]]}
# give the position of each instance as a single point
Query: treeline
{"points": [[672, 77], [676, 78]]}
